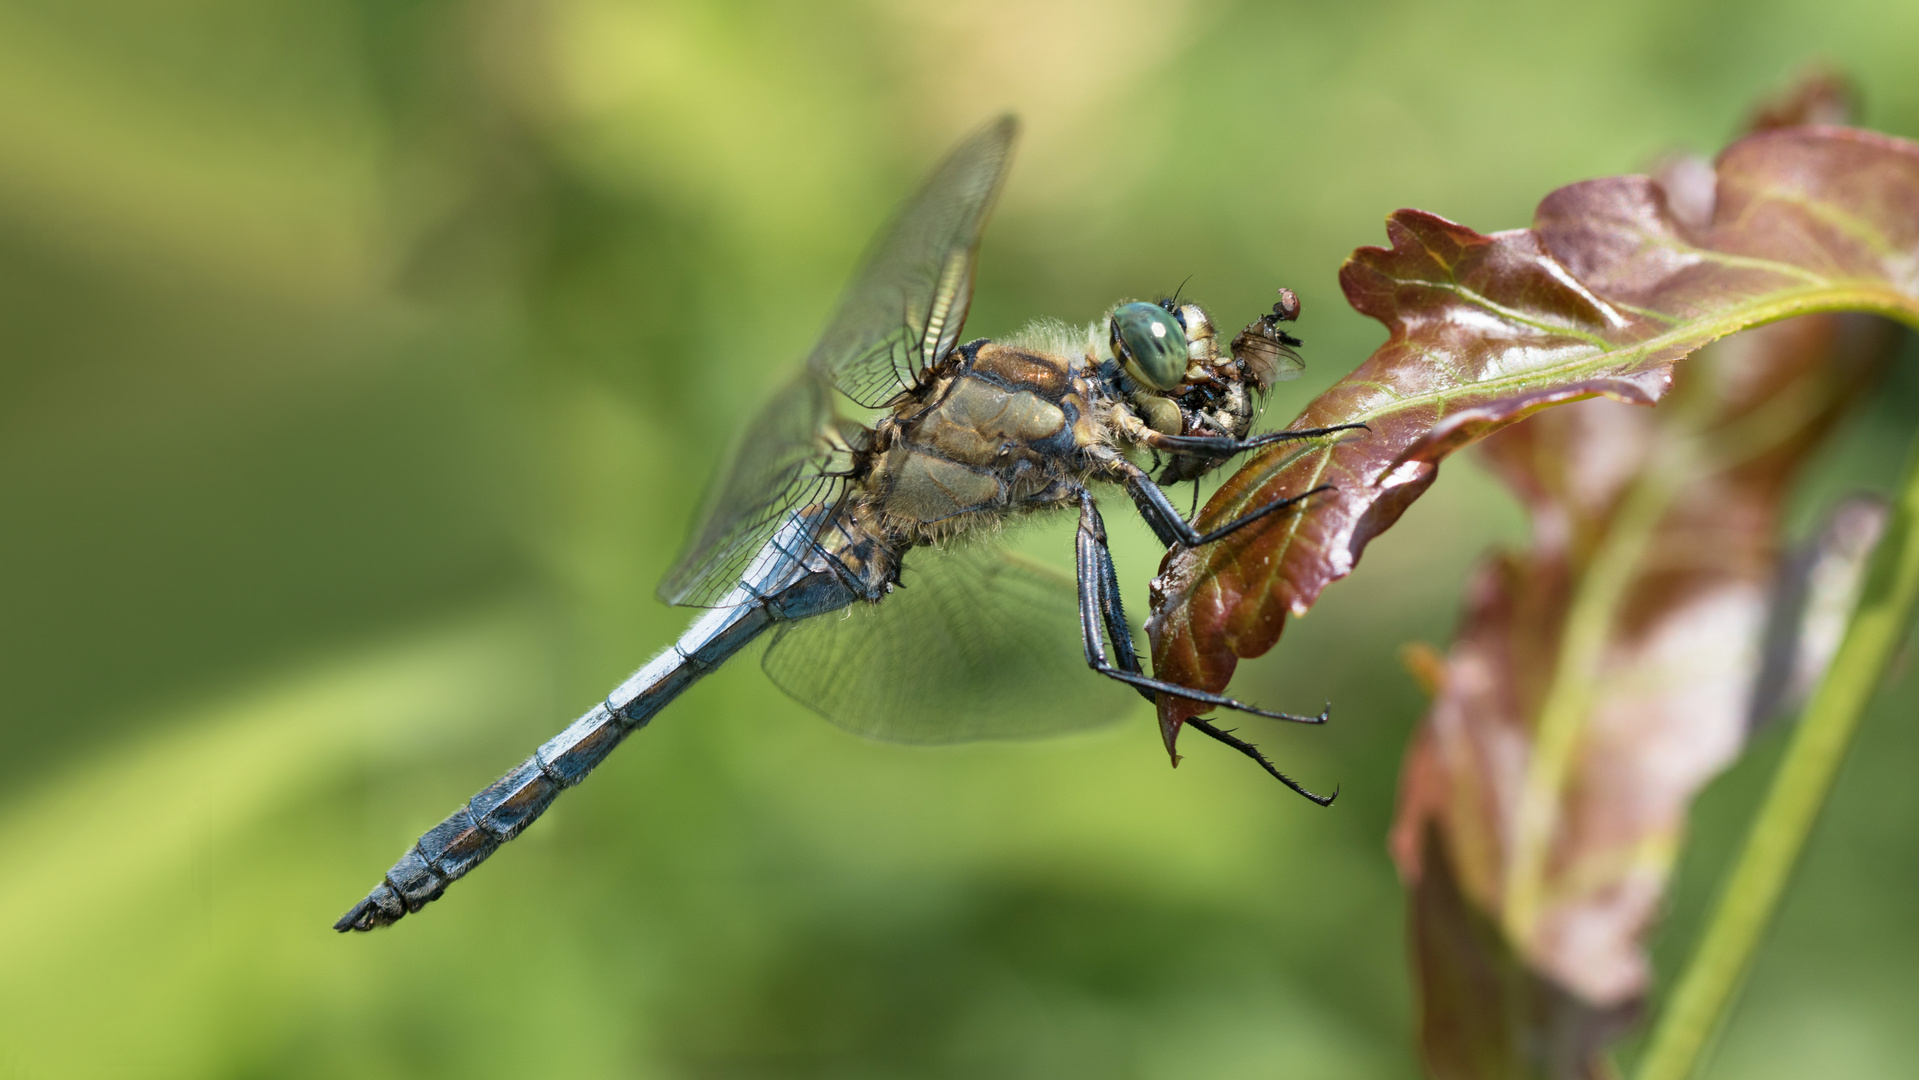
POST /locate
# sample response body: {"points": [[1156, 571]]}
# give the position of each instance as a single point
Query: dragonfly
{"points": [[896, 442]]}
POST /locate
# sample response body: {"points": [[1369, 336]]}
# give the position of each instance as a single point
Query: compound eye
{"points": [[1148, 340]]}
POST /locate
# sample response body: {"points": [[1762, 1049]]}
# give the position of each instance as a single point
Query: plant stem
{"points": [[1799, 790]]}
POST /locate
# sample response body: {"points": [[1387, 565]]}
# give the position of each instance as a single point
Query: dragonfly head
{"points": [[1185, 384], [1150, 343]]}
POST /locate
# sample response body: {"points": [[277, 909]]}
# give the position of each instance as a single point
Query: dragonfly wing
{"points": [[979, 643], [903, 312], [901, 315], [781, 465]]}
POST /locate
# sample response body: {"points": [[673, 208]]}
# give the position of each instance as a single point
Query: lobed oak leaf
{"points": [[1607, 290]]}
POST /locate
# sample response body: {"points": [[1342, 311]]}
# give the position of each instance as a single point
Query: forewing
{"points": [[903, 311], [780, 465], [977, 644]]}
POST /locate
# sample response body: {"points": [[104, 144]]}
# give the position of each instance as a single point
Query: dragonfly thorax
{"points": [[996, 429]]}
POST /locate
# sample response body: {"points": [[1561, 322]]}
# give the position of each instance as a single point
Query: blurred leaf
{"points": [[1605, 676], [1485, 1014], [273, 192], [1812, 600], [1607, 290], [130, 880], [1819, 96]]}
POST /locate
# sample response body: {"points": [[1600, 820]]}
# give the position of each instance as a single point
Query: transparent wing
{"points": [[901, 315], [978, 644], [903, 311], [781, 464]]}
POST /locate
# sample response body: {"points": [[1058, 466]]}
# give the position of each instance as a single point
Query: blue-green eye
{"points": [[1150, 343]]}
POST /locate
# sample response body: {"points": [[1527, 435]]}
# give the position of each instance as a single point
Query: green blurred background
{"points": [[366, 360]]}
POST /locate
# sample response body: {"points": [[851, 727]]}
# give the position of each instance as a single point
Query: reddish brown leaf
{"points": [[1656, 529], [1484, 1014], [1599, 298], [1608, 673], [1819, 96]]}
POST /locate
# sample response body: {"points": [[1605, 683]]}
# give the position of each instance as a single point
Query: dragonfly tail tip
{"points": [[364, 916]]}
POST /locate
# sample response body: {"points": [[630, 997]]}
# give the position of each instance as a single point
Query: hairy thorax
{"points": [[997, 430]]}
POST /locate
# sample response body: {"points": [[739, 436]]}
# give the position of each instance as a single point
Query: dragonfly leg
{"points": [[1099, 605], [1104, 599], [1224, 446], [1167, 524], [1226, 736]]}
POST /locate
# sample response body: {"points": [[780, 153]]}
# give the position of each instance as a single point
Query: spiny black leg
{"points": [[1227, 446], [1088, 544], [1251, 751], [1113, 611], [1093, 564], [1086, 573], [1241, 522], [1272, 437], [1160, 514], [1204, 698], [1163, 517], [1099, 588]]}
